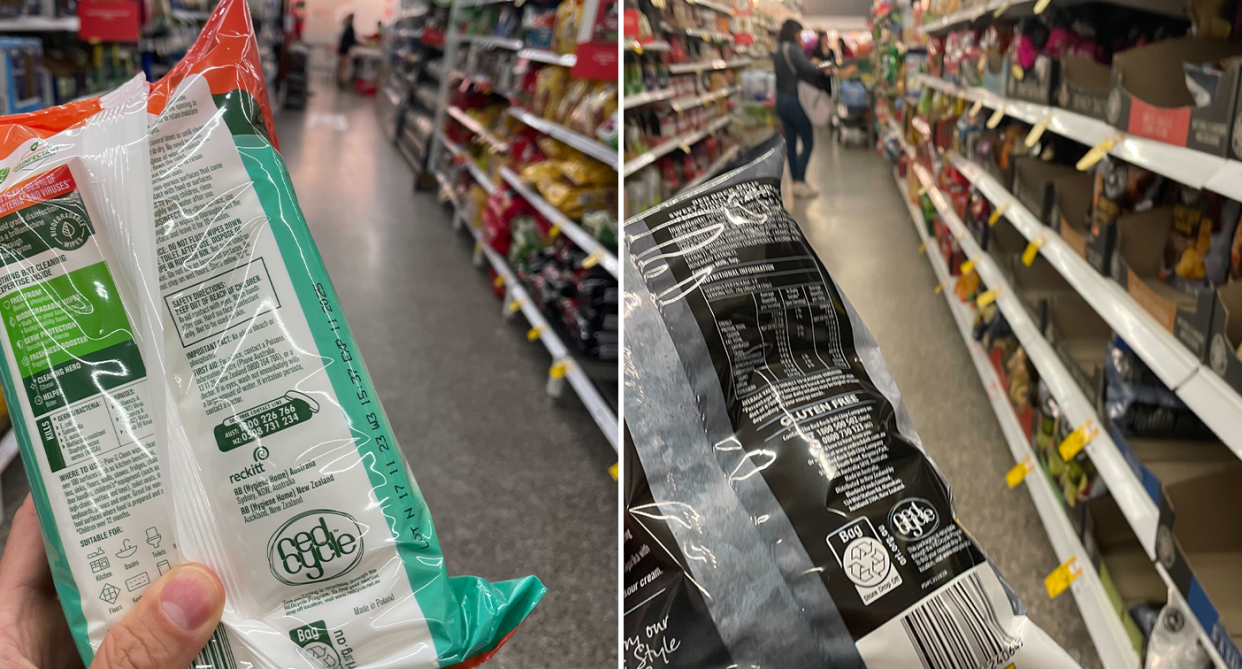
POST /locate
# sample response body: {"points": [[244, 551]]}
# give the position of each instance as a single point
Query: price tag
{"points": [[1077, 440], [996, 117], [940, 287], [1098, 151], [592, 260], [1061, 577], [513, 306], [978, 105], [559, 369], [554, 232], [1000, 11], [1018, 473], [997, 213], [1041, 6], [923, 247], [985, 298], [967, 265], [1032, 249], [533, 333], [498, 281], [1017, 72], [1038, 131], [685, 147], [613, 471], [478, 247]]}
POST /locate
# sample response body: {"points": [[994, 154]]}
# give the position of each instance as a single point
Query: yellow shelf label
{"points": [[985, 298], [1098, 151], [1041, 6], [1000, 11], [513, 306], [997, 213], [1077, 440], [592, 260], [976, 107], [1017, 72], [967, 265], [1062, 577], [996, 117], [554, 232], [558, 370], [923, 247], [1018, 474], [498, 281], [1038, 131], [940, 287], [533, 333], [614, 471], [1032, 250]]}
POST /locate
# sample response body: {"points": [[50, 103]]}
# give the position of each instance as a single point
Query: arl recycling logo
{"points": [[315, 641], [315, 546]]}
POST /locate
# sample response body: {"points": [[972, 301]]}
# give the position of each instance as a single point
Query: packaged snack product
{"points": [[782, 509], [288, 480]]}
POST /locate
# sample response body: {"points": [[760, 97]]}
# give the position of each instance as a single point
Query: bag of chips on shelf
{"points": [[782, 511], [80, 337], [288, 480]]}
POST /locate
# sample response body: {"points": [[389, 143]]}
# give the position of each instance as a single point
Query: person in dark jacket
{"points": [[348, 41], [792, 66]]}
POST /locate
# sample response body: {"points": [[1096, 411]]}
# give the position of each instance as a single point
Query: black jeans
{"points": [[797, 126]]}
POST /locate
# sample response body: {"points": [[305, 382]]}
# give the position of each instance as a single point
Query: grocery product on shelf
{"points": [[731, 423]]}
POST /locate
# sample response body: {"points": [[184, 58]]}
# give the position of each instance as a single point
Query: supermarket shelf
{"points": [[647, 98], [447, 189], [1188, 166], [585, 144], [671, 145], [453, 148], [487, 41], [712, 5], [972, 13], [603, 414], [40, 24], [540, 56], [474, 126], [697, 33], [729, 154], [476, 172], [1103, 624], [707, 65], [1216, 403], [580, 237], [692, 101], [636, 47], [1135, 502]]}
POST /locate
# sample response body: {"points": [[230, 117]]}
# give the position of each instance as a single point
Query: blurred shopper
{"points": [[348, 41], [792, 67], [823, 49]]}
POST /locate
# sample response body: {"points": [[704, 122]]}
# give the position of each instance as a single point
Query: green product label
{"points": [[59, 223], [71, 337]]}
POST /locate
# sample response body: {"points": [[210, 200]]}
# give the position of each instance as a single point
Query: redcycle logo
{"points": [[315, 546], [913, 519]]}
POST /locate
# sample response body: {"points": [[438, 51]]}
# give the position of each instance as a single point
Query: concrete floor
{"points": [[861, 229], [517, 482]]}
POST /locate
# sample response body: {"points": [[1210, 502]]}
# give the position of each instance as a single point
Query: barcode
{"points": [[957, 629], [217, 654]]}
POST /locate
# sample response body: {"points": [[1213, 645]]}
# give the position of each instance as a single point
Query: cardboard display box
{"points": [[1036, 286], [1128, 575], [1200, 544], [1005, 243], [1079, 336], [1084, 86], [1037, 85], [1032, 184], [1226, 335], [1071, 211], [1149, 97], [1141, 239]]}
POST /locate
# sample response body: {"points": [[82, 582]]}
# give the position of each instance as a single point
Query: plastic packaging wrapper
{"points": [[278, 437], [79, 321], [781, 509]]}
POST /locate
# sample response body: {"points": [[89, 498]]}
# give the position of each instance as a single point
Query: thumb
{"points": [[169, 625]]}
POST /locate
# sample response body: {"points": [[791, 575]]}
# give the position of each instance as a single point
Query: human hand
{"points": [[165, 629]]}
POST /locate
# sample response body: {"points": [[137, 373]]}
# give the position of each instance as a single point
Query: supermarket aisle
{"points": [[517, 483], [861, 229]]}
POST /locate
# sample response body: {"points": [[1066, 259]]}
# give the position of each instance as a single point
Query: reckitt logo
{"points": [[315, 546]]}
